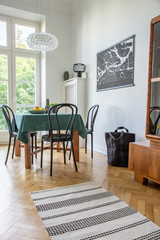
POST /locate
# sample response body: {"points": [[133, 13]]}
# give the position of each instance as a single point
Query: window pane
{"points": [[25, 82], [3, 124], [3, 67], [21, 34], [24, 109], [3, 100], [3, 88], [25, 69], [25, 93], [3, 92], [3, 33]]}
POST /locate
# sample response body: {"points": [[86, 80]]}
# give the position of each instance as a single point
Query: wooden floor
{"points": [[19, 219]]}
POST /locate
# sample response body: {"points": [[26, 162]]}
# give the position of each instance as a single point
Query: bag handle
{"points": [[116, 139], [121, 128]]}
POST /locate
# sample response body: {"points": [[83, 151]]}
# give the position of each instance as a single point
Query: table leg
{"points": [[76, 145], [58, 144], [28, 153], [18, 148]]}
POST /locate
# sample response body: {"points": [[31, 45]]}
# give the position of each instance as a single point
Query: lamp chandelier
{"points": [[44, 42]]}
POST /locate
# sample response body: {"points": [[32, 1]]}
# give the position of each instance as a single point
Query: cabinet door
{"points": [[74, 93], [153, 99], [70, 92]]}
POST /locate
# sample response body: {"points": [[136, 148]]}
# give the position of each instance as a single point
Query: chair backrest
{"points": [[10, 119], [71, 110], [154, 118], [92, 113]]}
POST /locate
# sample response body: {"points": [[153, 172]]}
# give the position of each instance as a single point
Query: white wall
{"points": [[96, 25], [59, 61]]}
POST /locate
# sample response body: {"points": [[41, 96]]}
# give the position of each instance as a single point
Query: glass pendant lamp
{"points": [[41, 41]]}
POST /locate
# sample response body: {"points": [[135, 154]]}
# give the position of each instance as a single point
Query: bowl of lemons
{"points": [[37, 110]]}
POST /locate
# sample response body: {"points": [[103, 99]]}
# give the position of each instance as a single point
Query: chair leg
{"points": [[86, 144], [36, 145], [51, 163], [41, 153], [91, 145], [74, 157], [14, 143], [69, 152], [64, 152], [9, 144], [32, 148], [70, 155]]}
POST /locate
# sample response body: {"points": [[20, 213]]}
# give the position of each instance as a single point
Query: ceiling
{"points": [[66, 5], [64, 1]]}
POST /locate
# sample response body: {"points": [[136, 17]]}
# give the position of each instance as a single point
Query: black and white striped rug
{"points": [[87, 211]]}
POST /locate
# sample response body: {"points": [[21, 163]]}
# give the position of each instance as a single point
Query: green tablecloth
{"points": [[39, 122]]}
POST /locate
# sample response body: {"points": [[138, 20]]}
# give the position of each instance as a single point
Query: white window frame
{"points": [[4, 133], [11, 51]]}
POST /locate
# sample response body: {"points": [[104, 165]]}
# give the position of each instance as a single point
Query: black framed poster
{"points": [[115, 65]]}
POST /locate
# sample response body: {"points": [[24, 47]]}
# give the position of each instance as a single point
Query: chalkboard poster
{"points": [[115, 65]]}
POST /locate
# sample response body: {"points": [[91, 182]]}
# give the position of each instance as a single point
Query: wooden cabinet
{"points": [[144, 160], [75, 92]]}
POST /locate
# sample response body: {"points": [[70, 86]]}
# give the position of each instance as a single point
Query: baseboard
{"points": [[99, 149], [4, 143], [81, 143]]}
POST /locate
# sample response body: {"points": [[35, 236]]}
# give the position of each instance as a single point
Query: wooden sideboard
{"points": [[144, 160]]}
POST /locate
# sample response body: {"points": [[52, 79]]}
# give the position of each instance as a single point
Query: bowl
{"points": [[37, 111]]}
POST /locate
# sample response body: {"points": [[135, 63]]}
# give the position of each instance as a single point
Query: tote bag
{"points": [[118, 146]]}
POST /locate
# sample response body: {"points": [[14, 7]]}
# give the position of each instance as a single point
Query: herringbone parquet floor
{"points": [[19, 219]]}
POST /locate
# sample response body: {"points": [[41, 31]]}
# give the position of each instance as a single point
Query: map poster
{"points": [[115, 65]]}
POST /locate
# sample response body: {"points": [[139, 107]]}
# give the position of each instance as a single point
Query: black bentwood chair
{"points": [[92, 113], [13, 130], [60, 135]]}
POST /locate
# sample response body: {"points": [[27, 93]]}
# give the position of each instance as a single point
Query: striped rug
{"points": [[87, 211]]}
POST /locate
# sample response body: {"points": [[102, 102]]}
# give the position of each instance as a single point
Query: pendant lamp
{"points": [[41, 41]]}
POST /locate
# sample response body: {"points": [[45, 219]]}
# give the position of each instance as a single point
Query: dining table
{"points": [[28, 122]]}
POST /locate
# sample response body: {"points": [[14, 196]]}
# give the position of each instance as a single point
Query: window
{"points": [[25, 83], [21, 33], [19, 67], [3, 86], [3, 33]]}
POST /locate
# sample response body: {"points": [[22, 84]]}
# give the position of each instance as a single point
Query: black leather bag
{"points": [[118, 146]]}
